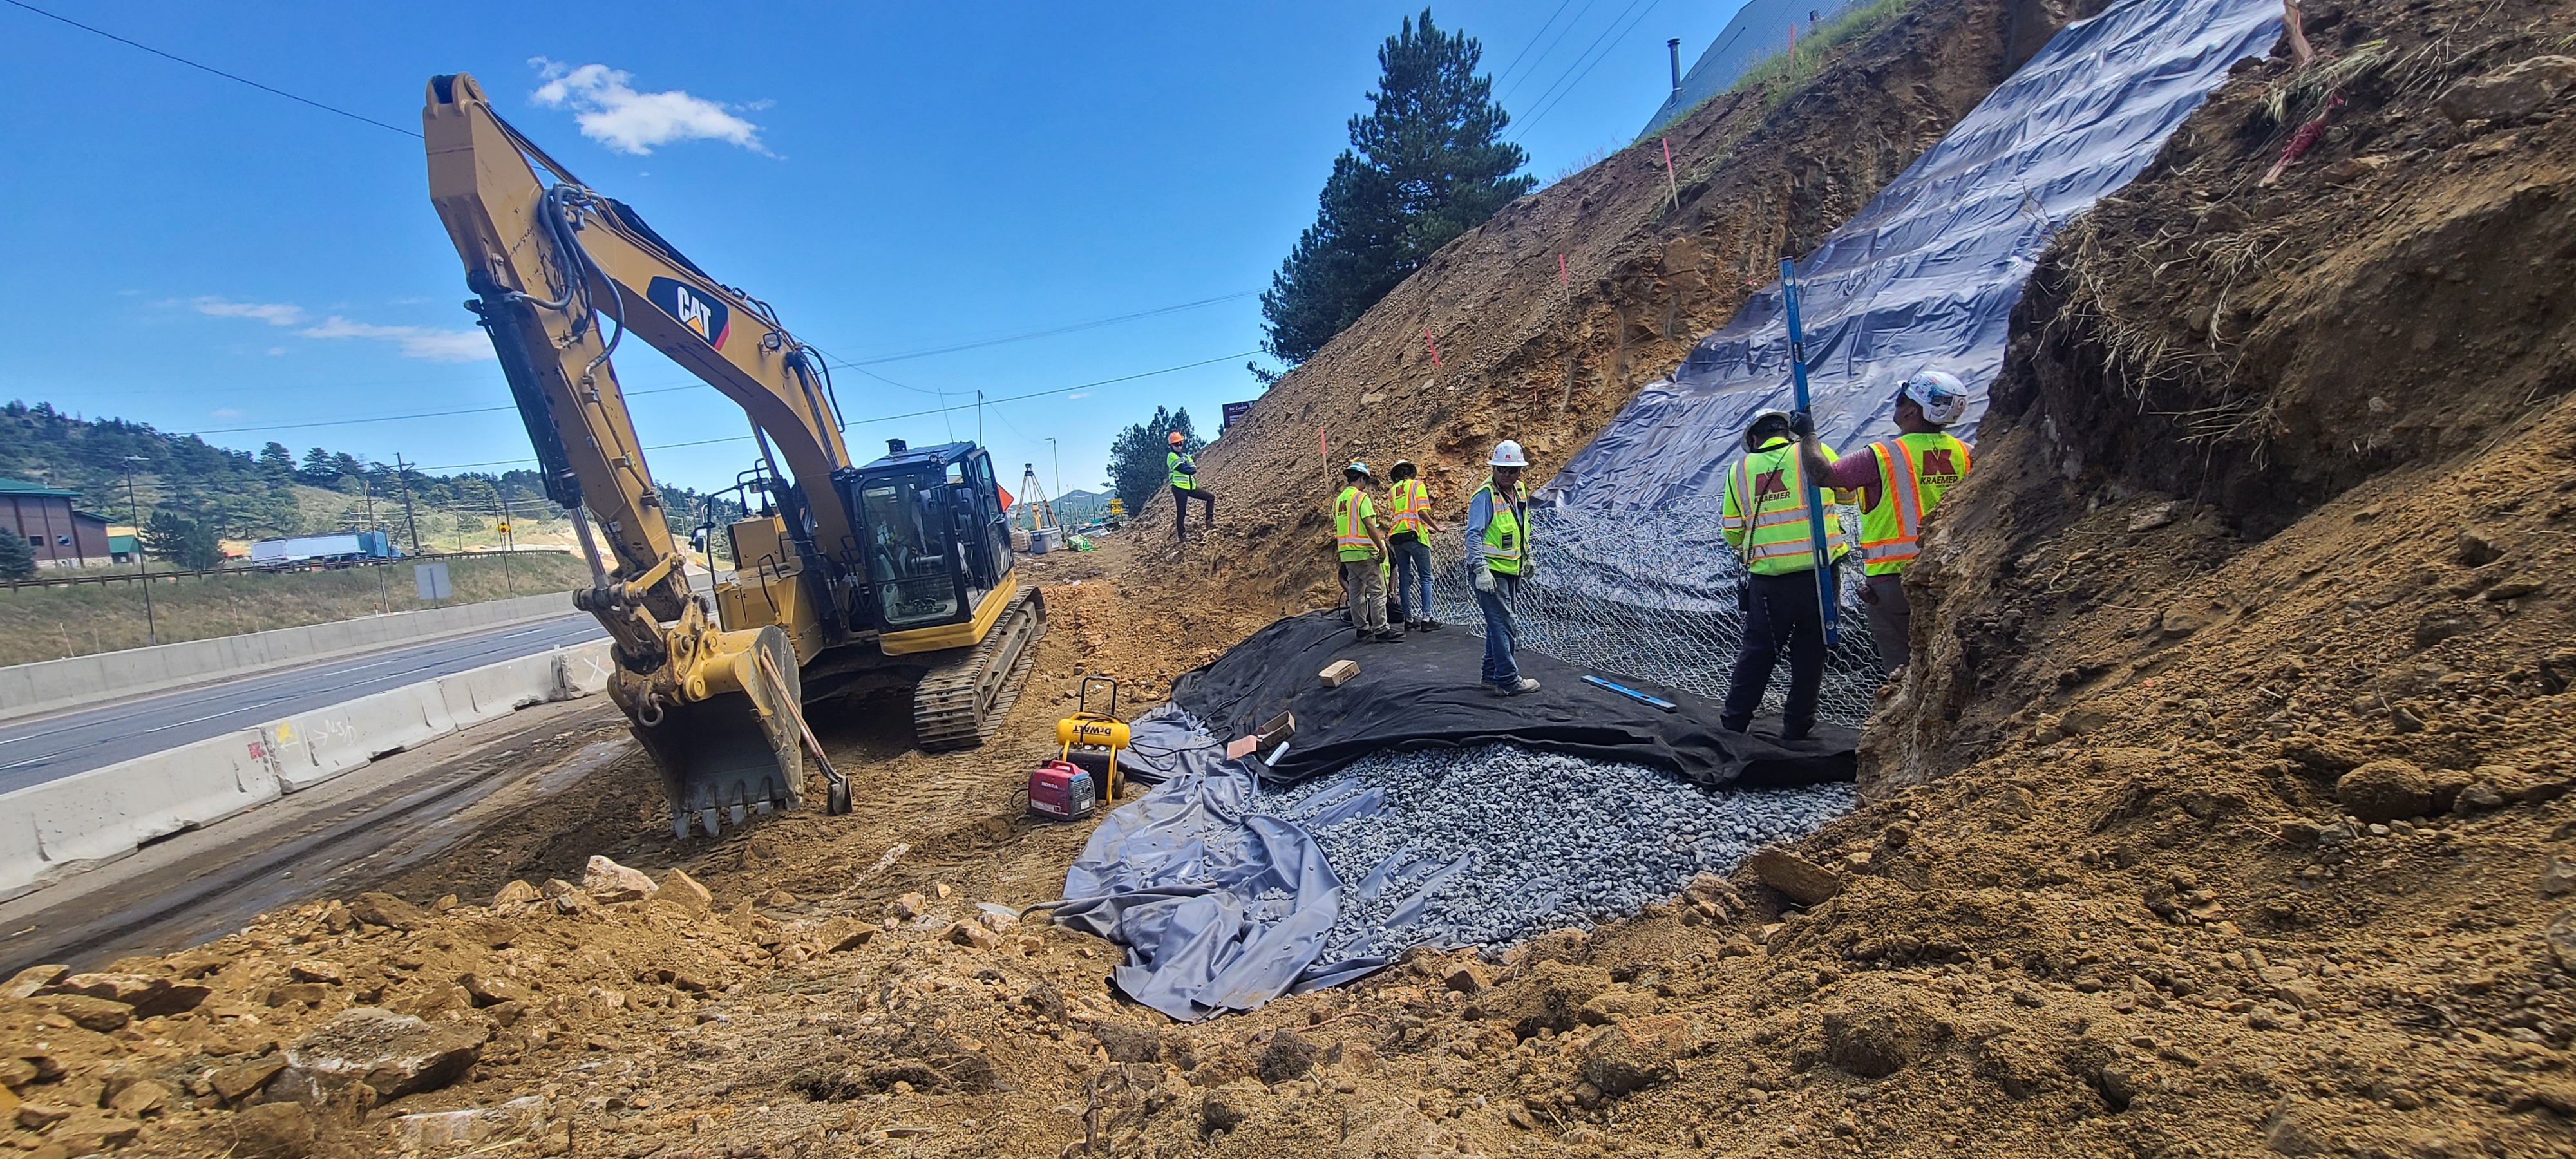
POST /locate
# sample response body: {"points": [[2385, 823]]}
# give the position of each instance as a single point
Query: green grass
{"points": [[1785, 73], [50, 623]]}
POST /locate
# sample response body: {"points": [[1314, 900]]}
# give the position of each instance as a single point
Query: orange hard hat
{"points": [[1176, 437]]}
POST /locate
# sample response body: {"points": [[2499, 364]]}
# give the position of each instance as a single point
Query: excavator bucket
{"points": [[734, 753]]}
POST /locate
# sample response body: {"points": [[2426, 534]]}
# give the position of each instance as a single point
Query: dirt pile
{"points": [[1526, 354]]}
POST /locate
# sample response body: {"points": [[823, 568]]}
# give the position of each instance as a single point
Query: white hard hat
{"points": [[1358, 466], [1940, 394], [1507, 454]]}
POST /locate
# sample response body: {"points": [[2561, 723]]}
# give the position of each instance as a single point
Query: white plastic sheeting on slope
{"points": [[1927, 274]]}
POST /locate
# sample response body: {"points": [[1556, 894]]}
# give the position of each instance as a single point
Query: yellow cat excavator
{"points": [[897, 572]]}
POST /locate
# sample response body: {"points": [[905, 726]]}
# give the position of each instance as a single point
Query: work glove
{"points": [[1802, 425], [1484, 578]]}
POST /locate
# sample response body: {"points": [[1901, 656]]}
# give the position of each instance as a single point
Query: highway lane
{"points": [[39, 750]]}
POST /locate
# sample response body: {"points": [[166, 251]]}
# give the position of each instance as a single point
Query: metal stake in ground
{"points": [[1825, 593]]}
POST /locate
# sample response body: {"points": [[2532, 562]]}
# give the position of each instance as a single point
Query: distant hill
{"points": [[1073, 508], [273, 491]]}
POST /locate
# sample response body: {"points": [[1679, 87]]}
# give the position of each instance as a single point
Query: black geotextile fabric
{"points": [[1424, 693]]}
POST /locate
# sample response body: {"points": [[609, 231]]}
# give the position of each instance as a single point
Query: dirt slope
{"points": [[1524, 356]]}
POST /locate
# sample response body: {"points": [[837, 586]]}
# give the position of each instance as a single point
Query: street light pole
{"points": [[1053, 454], [151, 630]]}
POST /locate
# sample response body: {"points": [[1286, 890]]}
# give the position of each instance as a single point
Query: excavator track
{"points": [[959, 703]]}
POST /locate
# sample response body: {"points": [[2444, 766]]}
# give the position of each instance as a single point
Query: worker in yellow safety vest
{"points": [[1763, 515], [1901, 480], [1498, 552], [1185, 487], [1359, 538], [1409, 538]]}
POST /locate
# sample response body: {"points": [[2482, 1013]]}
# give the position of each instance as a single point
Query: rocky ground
{"points": [[2228, 811]]}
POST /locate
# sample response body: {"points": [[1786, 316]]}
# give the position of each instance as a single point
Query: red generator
{"points": [[1060, 790]]}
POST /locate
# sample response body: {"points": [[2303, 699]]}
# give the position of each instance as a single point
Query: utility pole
{"points": [[367, 488], [151, 629], [411, 519], [1059, 467], [509, 541]]}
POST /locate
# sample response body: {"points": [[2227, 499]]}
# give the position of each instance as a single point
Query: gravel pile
{"points": [[1494, 845]]}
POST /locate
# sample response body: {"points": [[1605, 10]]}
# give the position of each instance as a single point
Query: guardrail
{"points": [[106, 813], [127, 577]]}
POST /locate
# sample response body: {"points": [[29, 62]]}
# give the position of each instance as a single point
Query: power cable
{"points": [[434, 414], [1506, 74], [1050, 332], [210, 68], [1549, 106], [943, 409], [1550, 50]]}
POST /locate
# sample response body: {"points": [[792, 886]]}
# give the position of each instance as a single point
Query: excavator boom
{"points": [[898, 569]]}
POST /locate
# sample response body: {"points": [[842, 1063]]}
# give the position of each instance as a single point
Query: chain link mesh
{"points": [[1651, 595]]}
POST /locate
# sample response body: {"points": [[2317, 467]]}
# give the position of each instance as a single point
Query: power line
{"points": [[1095, 323], [943, 409], [209, 68], [1550, 50], [432, 414], [1607, 34], [1506, 74]]}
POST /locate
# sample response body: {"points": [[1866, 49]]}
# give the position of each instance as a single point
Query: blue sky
{"points": [[194, 253]]}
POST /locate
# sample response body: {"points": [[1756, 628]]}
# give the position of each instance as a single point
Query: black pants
{"points": [[1181, 497], [1780, 615]]}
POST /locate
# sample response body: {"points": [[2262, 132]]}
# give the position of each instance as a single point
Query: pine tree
{"points": [[17, 559], [276, 461], [1427, 164], [179, 540], [1136, 464]]}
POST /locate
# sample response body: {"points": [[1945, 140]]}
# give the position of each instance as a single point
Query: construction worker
{"points": [[1185, 487], [1901, 480], [1498, 548], [1409, 539], [1359, 537], [1763, 515]]}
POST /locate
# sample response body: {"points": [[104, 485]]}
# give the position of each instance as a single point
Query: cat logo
{"points": [[704, 316]]}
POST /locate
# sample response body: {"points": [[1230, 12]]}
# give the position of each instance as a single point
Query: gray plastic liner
{"points": [[1926, 275]]}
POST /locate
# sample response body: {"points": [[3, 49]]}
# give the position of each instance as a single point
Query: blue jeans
{"points": [[1413, 570], [1502, 636]]}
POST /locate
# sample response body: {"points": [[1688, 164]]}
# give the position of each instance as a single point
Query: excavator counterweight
{"points": [[896, 572]]}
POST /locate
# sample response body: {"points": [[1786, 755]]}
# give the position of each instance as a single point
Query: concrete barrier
{"points": [[54, 685], [22, 857], [582, 670], [497, 690], [312, 747], [107, 812]]}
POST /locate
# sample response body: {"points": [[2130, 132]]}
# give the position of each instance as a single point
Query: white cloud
{"points": [[423, 342], [224, 414], [609, 110], [273, 313], [416, 341], [1077, 394]]}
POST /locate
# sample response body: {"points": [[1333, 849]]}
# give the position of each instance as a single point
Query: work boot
{"points": [[1517, 687], [1426, 624], [1390, 636]]}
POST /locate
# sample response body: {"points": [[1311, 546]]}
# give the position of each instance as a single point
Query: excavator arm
{"points": [[561, 274]]}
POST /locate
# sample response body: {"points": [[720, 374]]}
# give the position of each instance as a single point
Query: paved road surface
{"points": [[39, 750]]}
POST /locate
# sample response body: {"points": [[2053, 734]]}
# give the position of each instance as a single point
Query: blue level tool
{"points": [[1633, 694], [1826, 597]]}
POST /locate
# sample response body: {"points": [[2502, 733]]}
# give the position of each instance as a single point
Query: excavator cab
{"points": [[937, 550]]}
